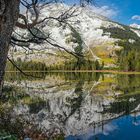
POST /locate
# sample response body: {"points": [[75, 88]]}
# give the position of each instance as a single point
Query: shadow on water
{"points": [[67, 106]]}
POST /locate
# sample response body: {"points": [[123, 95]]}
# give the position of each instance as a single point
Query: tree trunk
{"points": [[9, 10]]}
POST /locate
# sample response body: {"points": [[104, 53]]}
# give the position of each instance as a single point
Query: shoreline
{"points": [[80, 71]]}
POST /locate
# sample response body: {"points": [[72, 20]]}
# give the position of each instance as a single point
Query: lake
{"points": [[70, 106]]}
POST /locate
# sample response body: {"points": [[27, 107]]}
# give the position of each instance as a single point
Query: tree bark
{"points": [[9, 11]]}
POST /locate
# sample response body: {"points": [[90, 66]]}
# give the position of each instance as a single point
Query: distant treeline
{"points": [[78, 65], [40, 66]]}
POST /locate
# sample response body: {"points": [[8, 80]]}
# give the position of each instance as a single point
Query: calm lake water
{"points": [[70, 106]]}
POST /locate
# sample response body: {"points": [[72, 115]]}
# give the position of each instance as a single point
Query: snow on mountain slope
{"points": [[87, 23]]}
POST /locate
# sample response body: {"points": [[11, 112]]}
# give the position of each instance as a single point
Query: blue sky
{"points": [[124, 9]]}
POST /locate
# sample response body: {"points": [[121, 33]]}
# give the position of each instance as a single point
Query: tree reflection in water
{"points": [[66, 104]]}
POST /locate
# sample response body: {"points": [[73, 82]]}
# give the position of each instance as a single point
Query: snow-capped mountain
{"points": [[94, 30]]}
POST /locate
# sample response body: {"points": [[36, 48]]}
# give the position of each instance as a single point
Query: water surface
{"points": [[70, 106]]}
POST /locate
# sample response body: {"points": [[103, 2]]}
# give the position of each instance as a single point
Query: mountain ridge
{"points": [[95, 31]]}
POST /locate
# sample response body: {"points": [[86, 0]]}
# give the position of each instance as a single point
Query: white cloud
{"points": [[105, 11], [136, 17]]}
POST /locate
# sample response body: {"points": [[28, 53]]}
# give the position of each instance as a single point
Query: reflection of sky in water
{"points": [[75, 108], [119, 129]]}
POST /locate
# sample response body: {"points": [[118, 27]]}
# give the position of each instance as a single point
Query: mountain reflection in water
{"points": [[71, 106]]}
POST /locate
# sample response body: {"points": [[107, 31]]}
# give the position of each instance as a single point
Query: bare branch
{"points": [[61, 18], [33, 5], [55, 45]]}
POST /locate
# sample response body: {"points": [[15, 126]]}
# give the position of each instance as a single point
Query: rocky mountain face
{"points": [[97, 36]]}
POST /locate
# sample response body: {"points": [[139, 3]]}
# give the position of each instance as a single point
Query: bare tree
{"points": [[9, 12], [11, 17]]}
